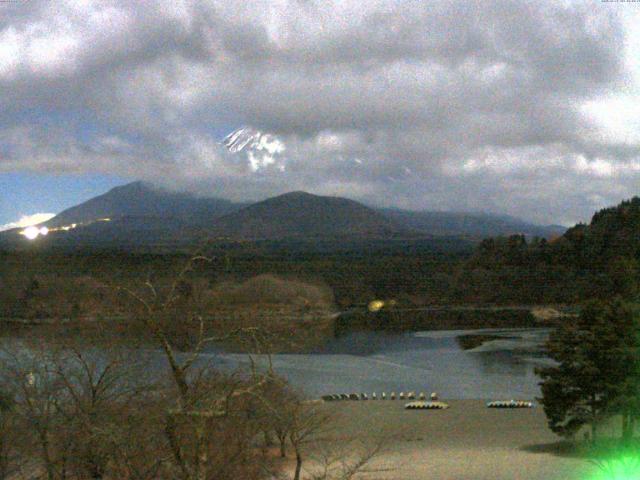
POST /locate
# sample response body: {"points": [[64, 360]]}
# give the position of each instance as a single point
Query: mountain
{"points": [[303, 215], [139, 215], [479, 225], [250, 139], [130, 216], [261, 150], [142, 200], [245, 137]]}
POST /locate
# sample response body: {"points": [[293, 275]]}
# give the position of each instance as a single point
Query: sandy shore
{"points": [[466, 441]]}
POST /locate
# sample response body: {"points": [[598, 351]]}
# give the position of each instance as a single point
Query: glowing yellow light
{"points": [[33, 232], [375, 305]]}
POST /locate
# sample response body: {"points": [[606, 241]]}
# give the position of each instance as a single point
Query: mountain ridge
{"points": [[141, 199], [474, 223], [141, 212], [302, 214]]}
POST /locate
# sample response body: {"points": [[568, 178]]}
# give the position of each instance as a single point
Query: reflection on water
{"points": [[419, 361], [502, 363], [502, 367]]}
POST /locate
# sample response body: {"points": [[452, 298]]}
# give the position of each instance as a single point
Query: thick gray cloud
{"points": [[435, 105]]}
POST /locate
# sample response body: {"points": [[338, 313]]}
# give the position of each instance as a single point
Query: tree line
{"points": [[598, 260]]}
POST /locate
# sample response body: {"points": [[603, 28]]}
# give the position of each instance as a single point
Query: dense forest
{"points": [[37, 284], [589, 261], [595, 260]]}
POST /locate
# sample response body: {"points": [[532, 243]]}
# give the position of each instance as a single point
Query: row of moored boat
{"points": [[374, 396], [422, 402]]}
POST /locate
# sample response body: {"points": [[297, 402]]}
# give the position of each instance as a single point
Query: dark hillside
{"points": [[479, 225], [300, 214], [596, 260], [141, 200], [139, 216]]}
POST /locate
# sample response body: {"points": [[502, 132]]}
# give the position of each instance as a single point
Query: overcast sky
{"points": [[525, 108]]}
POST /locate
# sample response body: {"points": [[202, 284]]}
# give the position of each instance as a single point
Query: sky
{"points": [[527, 108]]}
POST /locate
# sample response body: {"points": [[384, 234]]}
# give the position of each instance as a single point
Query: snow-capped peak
{"points": [[237, 140], [262, 149]]}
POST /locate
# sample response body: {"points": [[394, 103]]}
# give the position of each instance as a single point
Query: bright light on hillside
{"points": [[31, 232], [34, 232]]}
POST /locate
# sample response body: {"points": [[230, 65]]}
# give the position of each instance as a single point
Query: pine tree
{"points": [[597, 371]]}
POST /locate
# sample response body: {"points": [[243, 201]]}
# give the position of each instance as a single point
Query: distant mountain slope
{"points": [[300, 214], [470, 224], [139, 215], [139, 199]]}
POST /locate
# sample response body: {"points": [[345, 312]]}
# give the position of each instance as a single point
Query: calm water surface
{"points": [[501, 368], [418, 361]]}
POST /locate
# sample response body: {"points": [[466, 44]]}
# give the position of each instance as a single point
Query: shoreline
{"points": [[452, 317], [464, 442], [312, 334]]}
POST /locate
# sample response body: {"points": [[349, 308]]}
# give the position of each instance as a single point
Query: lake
{"points": [[501, 364], [502, 367]]}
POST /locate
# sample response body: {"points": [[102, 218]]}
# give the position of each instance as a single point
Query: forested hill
{"points": [[595, 260], [613, 233]]}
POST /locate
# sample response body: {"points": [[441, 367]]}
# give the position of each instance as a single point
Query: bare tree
{"points": [[344, 459], [200, 405], [307, 423], [100, 389], [29, 372], [76, 407], [10, 436], [137, 445], [275, 404], [86, 411], [311, 434]]}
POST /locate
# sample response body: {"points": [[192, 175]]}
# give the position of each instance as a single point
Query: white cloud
{"points": [[27, 221], [597, 167], [504, 104]]}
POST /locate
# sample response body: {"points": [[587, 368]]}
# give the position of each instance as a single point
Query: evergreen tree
{"points": [[597, 371], [626, 401]]}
